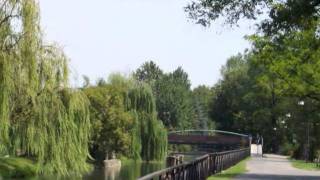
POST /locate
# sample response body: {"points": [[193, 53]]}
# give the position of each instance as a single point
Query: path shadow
{"points": [[271, 160], [275, 177]]}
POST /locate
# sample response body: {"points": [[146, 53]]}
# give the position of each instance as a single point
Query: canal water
{"points": [[129, 170]]}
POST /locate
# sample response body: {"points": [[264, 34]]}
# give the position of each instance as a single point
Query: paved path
{"points": [[275, 167]]}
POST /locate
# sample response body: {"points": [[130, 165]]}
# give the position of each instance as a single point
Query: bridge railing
{"points": [[202, 167], [206, 132]]}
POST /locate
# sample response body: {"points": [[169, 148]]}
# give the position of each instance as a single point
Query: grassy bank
{"points": [[16, 168], [239, 168], [301, 164]]}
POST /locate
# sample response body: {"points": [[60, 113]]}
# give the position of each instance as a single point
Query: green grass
{"points": [[235, 170], [301, 164], [16, 168]]}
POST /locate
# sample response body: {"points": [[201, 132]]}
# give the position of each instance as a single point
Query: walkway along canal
{"points": [[275, 167]]}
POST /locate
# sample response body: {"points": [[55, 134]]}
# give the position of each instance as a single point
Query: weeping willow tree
{"points": [[149, 137], [40, 117]]}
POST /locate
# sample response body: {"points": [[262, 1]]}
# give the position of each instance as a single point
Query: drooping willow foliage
{"points": [[40, 117], [149, 137]]}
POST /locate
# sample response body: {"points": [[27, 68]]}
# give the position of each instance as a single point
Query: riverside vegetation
{"points": [[49, 127], [46, 121]]}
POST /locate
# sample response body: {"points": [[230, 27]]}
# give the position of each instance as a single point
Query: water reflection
{"points": [[130, 170], [112, 173]]}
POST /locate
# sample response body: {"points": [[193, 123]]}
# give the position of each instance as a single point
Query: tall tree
{"points": [[124, 119], [234, 84], [111, 121], [172, 94], [245, 102], [293, 61], [148, 130], [40, 116], [202, 98], [149, 72], [174, 101]]}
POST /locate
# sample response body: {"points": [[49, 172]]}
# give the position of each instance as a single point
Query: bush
{"points": [[317, 158], [287, 149], [17, 168]]}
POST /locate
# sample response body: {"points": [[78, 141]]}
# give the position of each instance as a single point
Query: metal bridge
{"points": [[223, 149], [212, 140]]}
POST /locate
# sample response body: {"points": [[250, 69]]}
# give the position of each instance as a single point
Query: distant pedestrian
{"points": [[258, 139]]}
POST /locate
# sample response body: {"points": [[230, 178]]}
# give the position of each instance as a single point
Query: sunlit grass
{"points": [[230, 173], [301, 164]]}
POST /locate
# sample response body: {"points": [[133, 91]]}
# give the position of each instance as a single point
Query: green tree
{"points": [[201, 118], [202, 98], [124, 119], [174, 101], [148, 72], [282, 69], [293, 61], [40, 116], [227, 101], [172, 94], [245, 102], [149, 137], [111, 122]]}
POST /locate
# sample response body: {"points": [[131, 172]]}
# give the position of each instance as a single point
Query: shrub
{"points": [[17, 168]]}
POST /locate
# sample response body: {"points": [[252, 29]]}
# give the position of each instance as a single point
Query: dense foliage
{"points": [[292, 61], [273, 88], [40, 116], [111, 122], [277, 16], [11, 168], [148, 130], [177, 105], [252, 98], [202, 100], [124, 120]]}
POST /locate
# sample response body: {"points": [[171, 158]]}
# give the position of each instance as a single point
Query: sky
{"points": [[106, 36]]}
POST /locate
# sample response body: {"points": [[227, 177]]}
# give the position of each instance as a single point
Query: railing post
{"points": [[213, 164]]}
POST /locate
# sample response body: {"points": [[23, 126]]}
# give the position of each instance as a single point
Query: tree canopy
{"points": [[124, 119], [272, 89], [178, 106], [277, 15], [40, 116]]}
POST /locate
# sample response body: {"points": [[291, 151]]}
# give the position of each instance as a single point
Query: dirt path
{"points": [[275, 167]]}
